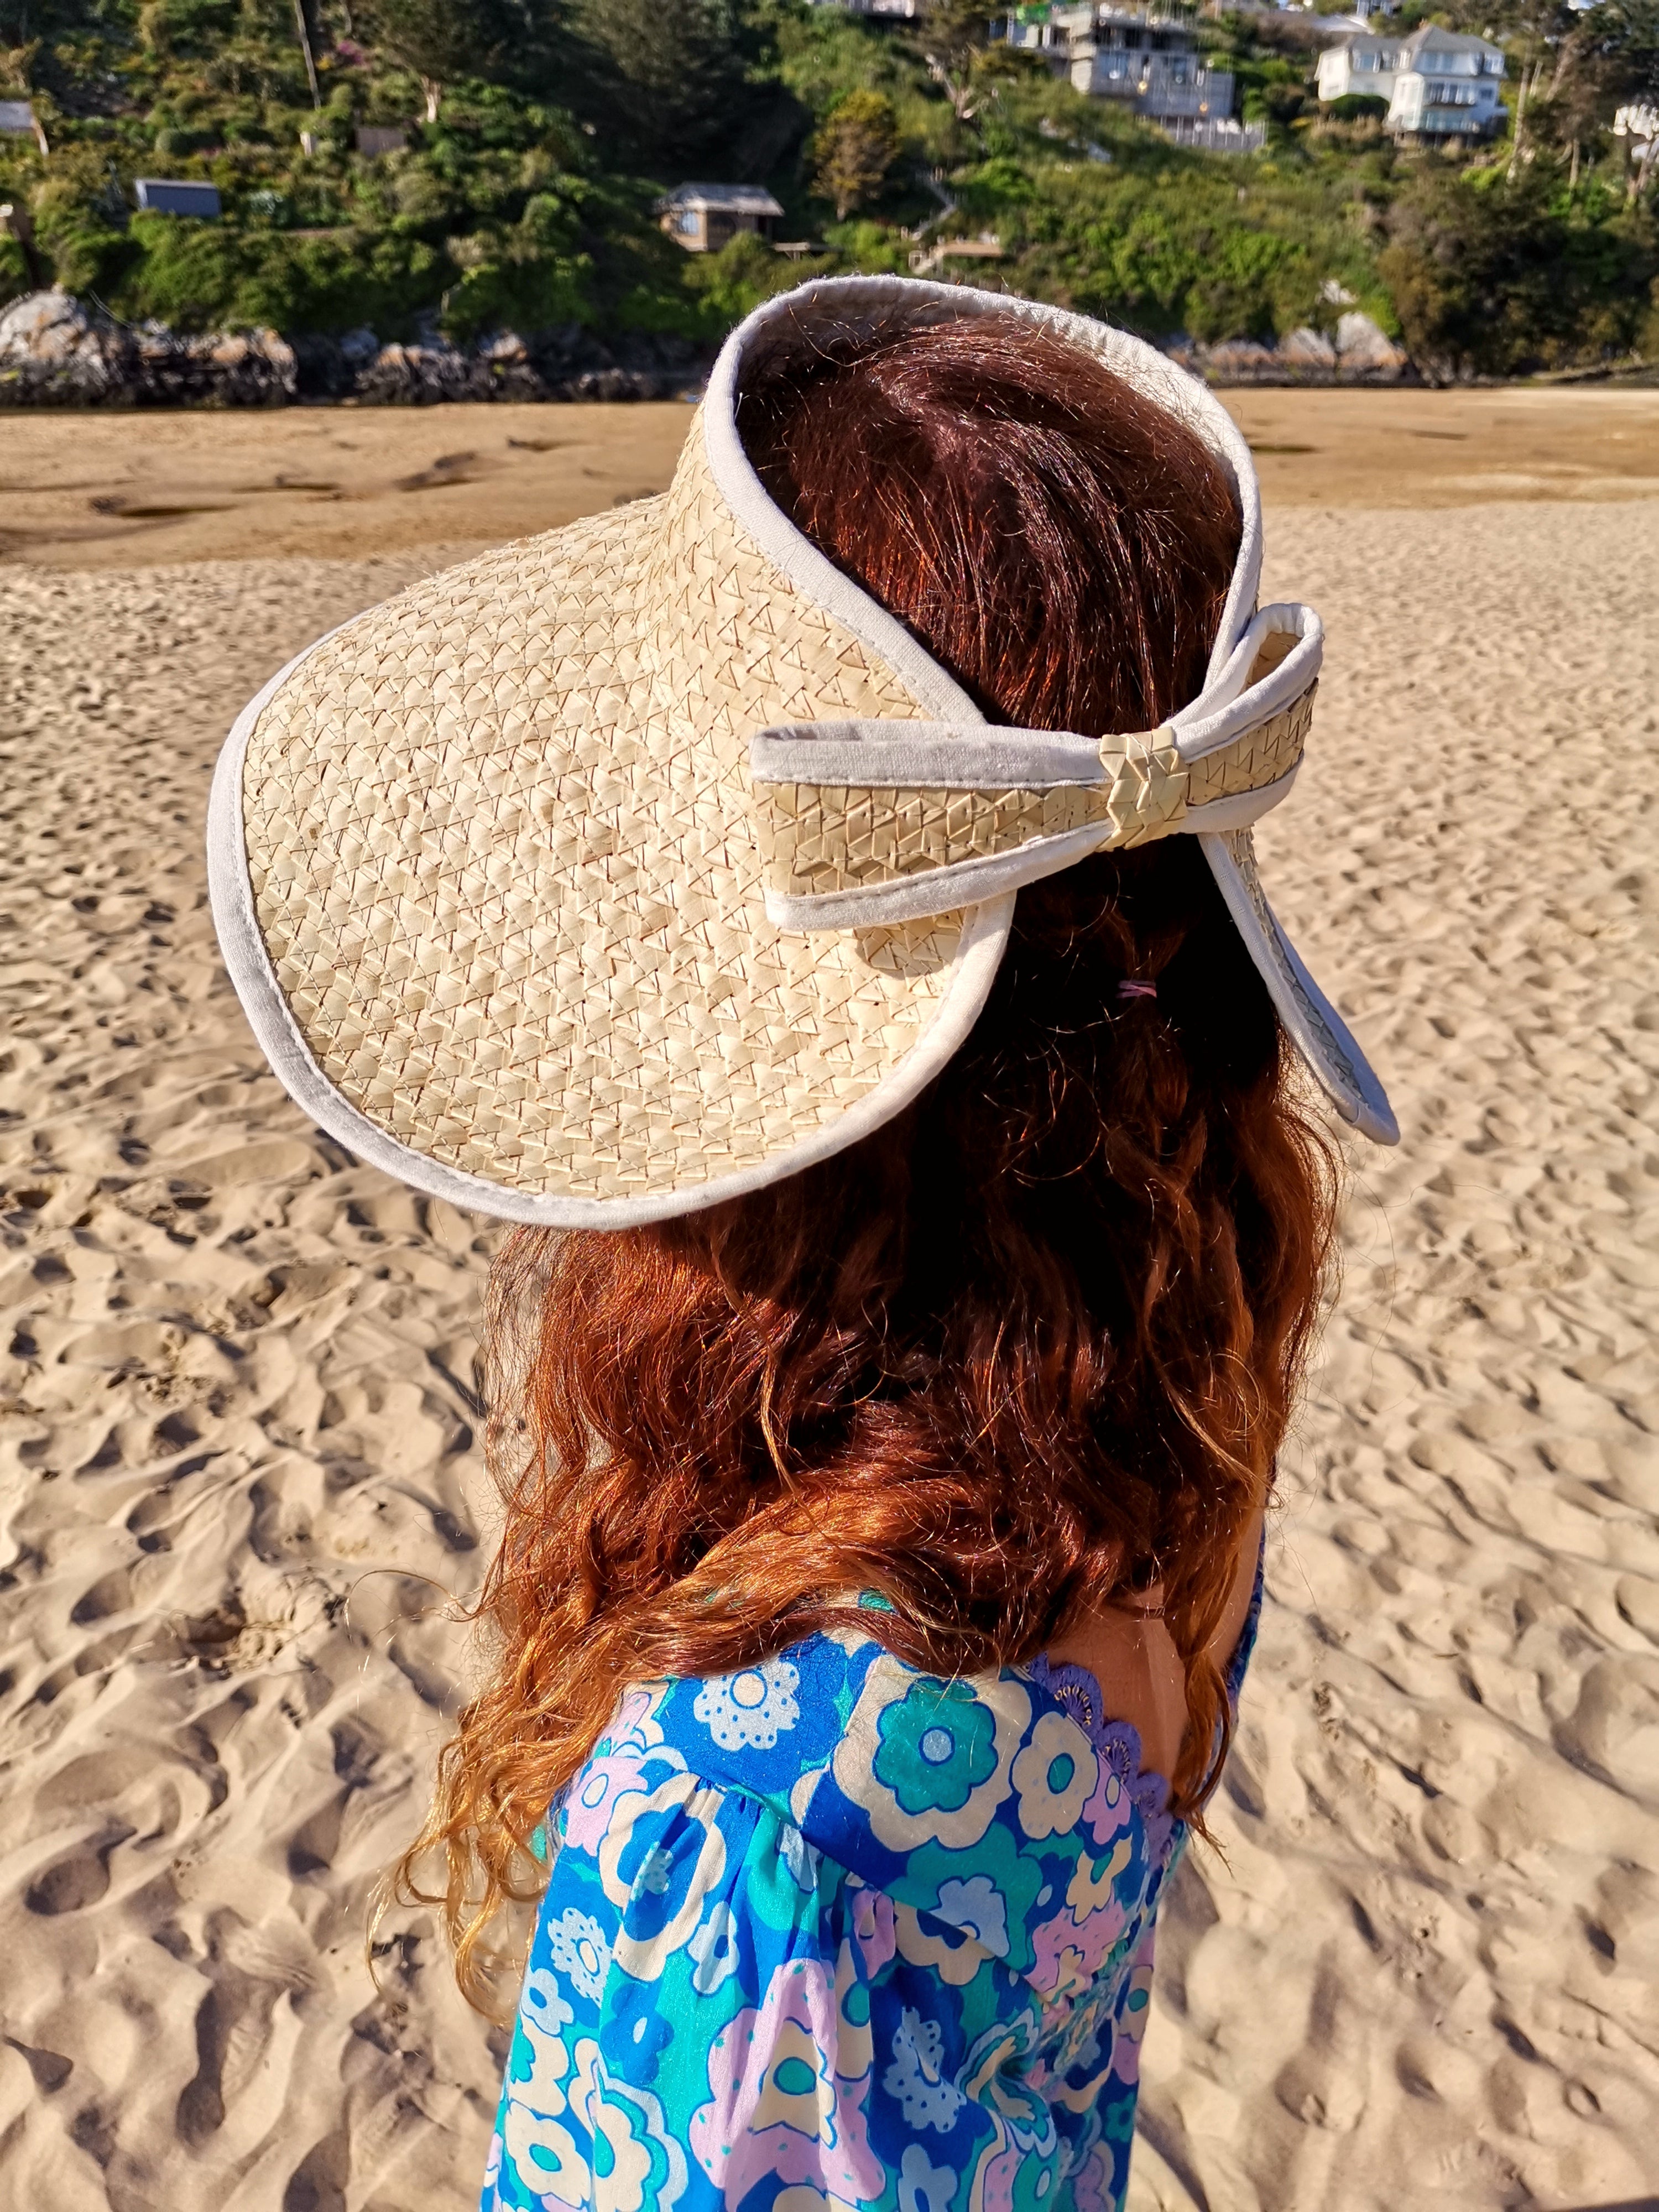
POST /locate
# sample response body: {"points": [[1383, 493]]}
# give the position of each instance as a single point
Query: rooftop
{"points": [[1427, 34], [734, 199]]}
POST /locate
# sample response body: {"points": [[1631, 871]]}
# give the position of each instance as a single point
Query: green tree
{"points": [[854, 150], [1535, 35], [442, 39], [1498, 277], [950, 36], [1620, 40], [668, 85]]}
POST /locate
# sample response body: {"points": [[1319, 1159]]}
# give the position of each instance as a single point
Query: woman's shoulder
{"points": [[989, 1804]]}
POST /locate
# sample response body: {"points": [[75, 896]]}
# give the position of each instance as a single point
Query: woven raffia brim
{"points": [[486, 866]]}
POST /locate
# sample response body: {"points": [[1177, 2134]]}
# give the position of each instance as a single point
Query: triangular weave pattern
{"points": [[819, 838], [502, 855]]}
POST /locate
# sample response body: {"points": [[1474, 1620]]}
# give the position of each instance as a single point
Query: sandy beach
{"points": [[108, 490], [240, 1462]]}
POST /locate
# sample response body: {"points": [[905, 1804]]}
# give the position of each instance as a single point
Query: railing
{"points": [[1212, 137]]}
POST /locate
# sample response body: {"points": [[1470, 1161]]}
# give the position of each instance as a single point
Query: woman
{"points": [[826, 895]]}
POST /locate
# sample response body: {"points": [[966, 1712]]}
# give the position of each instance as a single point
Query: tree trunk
{"points": [[1572, 173], [435, 92], [1519, 139], [304, 29]]}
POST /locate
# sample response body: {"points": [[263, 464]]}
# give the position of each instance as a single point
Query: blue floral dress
{"points": [[831, 1933]]}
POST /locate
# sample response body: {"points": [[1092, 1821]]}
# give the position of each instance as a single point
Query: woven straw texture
{"points": [[817, 838], [502, 857]]}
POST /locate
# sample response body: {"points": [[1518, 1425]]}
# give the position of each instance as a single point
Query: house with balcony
{"points": [[1441, 86], [1150, 61]]}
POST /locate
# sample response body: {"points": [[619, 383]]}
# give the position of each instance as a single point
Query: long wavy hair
{"points": [[1035, 1341]]}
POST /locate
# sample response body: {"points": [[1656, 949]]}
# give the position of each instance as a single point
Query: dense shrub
{"points": [[1496, 276], [1357, 107]]}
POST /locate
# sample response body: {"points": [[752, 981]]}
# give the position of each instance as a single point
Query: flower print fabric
{"points": [[828, 1933]]}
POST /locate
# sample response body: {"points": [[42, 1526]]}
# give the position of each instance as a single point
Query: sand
{"points": [[240, 1466], [110, 490]]}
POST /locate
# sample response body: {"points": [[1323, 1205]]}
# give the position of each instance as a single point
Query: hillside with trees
{"points": [[537, 137]]}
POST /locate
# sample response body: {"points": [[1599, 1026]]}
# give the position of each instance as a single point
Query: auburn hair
{"points": [[1037, 1341]]}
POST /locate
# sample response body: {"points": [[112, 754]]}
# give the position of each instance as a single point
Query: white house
{"points": [[1439, 84], [18, 120], [1149, 60]]}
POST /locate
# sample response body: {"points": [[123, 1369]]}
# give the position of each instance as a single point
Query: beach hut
{"points": [[704, 218], [18, 120], [177, 195]]}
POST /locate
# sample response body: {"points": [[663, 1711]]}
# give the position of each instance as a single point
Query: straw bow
{"points": [[867, 823]]}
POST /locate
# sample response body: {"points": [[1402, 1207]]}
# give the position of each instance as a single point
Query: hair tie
{"points": [[1130, 987]]}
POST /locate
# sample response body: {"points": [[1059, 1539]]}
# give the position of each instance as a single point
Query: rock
{"points": [[1308, 349], [54, 351], [417, 375], [54, 354], [1239, 361], [1361, 354], [319, 369], [1365, 351], [220, 368]]}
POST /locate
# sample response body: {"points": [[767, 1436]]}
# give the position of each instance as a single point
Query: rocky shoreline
{"points": [[58, 351], [1358, 351]]}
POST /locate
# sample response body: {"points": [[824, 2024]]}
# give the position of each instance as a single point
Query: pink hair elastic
{"points": [[1130, 989]]}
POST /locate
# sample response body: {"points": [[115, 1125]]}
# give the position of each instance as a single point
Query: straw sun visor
{"points": [[484, 873], [639, 865]]}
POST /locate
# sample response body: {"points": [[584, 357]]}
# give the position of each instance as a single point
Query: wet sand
{"points": [[112, 490], [240, 1458]]}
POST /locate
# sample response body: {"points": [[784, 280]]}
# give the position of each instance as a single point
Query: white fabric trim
{"points": [[938, 891], [1226, 708], [1240, 810], [923, 755], [1318, 1031], [880, 753]]}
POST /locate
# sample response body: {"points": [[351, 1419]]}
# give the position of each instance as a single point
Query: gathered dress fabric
{"points": [[830, 1932]]}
